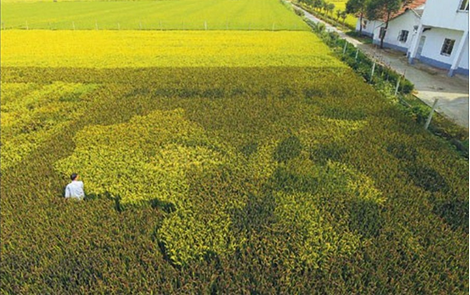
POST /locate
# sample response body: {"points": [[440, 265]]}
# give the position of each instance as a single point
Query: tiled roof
{"points": [[411, 5]]}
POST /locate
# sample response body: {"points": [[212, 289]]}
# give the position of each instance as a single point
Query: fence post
{"points": [[388, 69], [398, 85], [372, 72], [27, 27], [205, 25], [357, 54], [73, 25], [428, 121], [119, 26], [273, 27], [345, 46], [140, 25], [96, 25]]}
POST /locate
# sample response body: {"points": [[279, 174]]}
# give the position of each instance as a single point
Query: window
{"points": [[464, 5], [403, 36], [447, 47]]}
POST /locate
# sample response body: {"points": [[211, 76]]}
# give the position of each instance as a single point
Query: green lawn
{"points": [[151, 15]]}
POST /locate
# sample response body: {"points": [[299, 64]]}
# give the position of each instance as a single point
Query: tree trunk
{"points": [[382, 37], [360, 22]]}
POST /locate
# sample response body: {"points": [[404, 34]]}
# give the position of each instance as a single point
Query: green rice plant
{"points": [[31, 113], [180, 15], [227, 179]]}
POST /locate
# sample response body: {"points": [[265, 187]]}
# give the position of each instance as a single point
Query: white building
{"points": [[442, 36], [368, 26], [433, 31], [399, 27]]}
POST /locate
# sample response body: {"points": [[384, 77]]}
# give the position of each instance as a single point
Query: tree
{"points": [[343, 16], [357, 6], [338, 14], [330, 8], [324, 6], [383, 9], [318, 4]]}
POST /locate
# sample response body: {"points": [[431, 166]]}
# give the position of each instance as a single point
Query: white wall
{"points": [[406, 21], [370, 26], [433, 45], [445, 14]]}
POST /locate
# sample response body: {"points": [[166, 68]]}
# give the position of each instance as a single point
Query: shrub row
{"points": [[359, 62]]}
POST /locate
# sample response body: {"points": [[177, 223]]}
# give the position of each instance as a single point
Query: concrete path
{"points": [[329, 27], [430, 83]]}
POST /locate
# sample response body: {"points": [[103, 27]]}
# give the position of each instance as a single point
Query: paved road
{"points": [[430, 83]]}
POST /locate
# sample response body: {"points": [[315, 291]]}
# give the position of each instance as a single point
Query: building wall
{"points": [[445, 14], [431, 53], [406, 21], [370, 26], [444, 19], [434, 41]]}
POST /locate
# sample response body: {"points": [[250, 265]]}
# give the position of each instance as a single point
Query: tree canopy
{"points": [[357, 6], [383, 9]]}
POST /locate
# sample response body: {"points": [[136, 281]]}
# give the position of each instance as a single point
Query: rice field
{"points": [[219, 161], [350, 20], [111, 49], [151, 15]]}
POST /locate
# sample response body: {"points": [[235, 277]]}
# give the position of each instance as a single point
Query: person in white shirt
{"points": [[75, 188]]}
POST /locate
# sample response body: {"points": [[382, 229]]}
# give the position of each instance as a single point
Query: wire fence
{"points": [[373, 70], [157, 25]]}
